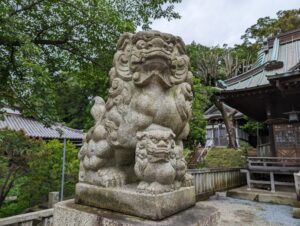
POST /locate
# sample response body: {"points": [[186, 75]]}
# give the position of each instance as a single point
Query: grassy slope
{"points": [[224, 158]]}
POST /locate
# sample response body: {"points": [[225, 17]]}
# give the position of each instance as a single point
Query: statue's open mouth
{"points": [[159, 155], [157, 53]]}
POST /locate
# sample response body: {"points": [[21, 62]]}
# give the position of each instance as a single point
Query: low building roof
{"points": [[214, 113], [15, 121]]}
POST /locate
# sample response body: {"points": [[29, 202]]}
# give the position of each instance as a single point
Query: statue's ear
{"points": [[172, 135]]}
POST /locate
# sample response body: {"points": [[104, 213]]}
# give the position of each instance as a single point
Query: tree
{"points": [[21, 173], [45, 174], [265, 27], [200, 101], [16, 151], [210, 65], [45, 44]]}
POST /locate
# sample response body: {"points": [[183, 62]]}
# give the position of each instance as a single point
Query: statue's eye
{"points": [[154, 140], [141, 44]]}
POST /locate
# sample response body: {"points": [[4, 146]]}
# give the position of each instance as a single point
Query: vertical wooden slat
{"points": [[217, 180]]}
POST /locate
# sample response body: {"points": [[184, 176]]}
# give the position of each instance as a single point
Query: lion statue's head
{"points": [[149, 55]]}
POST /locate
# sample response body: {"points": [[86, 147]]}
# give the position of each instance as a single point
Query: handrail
{"points": [[26, 217], [273, 158]]}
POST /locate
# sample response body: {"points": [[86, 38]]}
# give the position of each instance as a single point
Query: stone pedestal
{"points": [[127, 200], [68, 213]]}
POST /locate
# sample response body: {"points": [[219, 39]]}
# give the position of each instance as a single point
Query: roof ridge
{"points": [[246, 74]]}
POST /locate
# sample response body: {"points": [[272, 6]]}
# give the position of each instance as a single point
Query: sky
{"points": [[218, 22]]}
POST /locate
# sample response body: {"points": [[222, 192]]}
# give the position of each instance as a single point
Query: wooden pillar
{"points": [[219, 142], [237, 137], [270, 128], [272, 181]]}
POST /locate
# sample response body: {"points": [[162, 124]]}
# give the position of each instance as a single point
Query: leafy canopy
{"points": [[45, 44], [265, 27]]}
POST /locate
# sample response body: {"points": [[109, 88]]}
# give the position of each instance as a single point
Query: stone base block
{"points": [[68, 213], [296, 209], [127, 200]]}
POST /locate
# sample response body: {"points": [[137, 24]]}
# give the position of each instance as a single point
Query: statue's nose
{"points": [[162, 144], [157, 42]]}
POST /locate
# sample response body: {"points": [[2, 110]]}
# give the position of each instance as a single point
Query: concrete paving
{"points": [[283, 195], [237, 212]]}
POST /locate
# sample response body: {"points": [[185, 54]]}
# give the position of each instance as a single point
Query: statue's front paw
{"points": [[188, 180], [142, 186], [110, 177]]}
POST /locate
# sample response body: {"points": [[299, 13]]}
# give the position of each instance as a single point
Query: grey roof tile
{"points": [[34, 128]]}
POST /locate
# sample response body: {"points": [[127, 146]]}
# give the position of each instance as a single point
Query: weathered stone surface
{"points": [[70, 214], [296, 209], [53, 197], [259, 195], [127, 200], [132, 158], [138, 132], [296, 212]]}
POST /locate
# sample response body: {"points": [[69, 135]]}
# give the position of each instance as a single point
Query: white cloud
{"points": [[213, 22]]}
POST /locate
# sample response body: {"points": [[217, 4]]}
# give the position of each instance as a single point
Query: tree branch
{"points": [[25, 8]]}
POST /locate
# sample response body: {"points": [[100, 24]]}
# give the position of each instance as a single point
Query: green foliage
{"points": [[224, 158], [251, 126], [55, 52], [16, 152], [197, 123], [286, 20], [39, 166], [46, 173]]}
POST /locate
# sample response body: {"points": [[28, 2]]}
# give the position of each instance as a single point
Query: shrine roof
{"points": [[280, 56]]}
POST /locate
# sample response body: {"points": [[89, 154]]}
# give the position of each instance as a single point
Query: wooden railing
{"points": [[212, 180], [206, 181], [38, 218], [274, 164], [270, 166]]}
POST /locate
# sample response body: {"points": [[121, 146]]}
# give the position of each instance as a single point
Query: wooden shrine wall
{"points": [[287, 139]]}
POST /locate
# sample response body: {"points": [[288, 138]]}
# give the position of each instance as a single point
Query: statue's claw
{"points": [[188, 180], [110, 177]]}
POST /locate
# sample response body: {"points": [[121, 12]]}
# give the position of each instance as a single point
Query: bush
{"points": [[45, 174], [224, 158], [42, 175]]}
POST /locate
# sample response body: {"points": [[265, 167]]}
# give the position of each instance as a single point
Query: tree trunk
{"points": [[7, 185], [228, 117]]}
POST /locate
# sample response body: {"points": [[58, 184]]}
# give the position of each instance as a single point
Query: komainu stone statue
{"points": [[159, 164], [138, 132]]}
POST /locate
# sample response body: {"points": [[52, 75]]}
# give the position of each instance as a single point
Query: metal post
{"points": [[63, 171]]}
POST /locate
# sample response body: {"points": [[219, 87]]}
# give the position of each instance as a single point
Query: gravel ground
{"points": [[237, 212]]}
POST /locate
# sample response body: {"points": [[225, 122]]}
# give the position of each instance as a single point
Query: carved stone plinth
{"points": [[70, 214], [127, 200]]}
